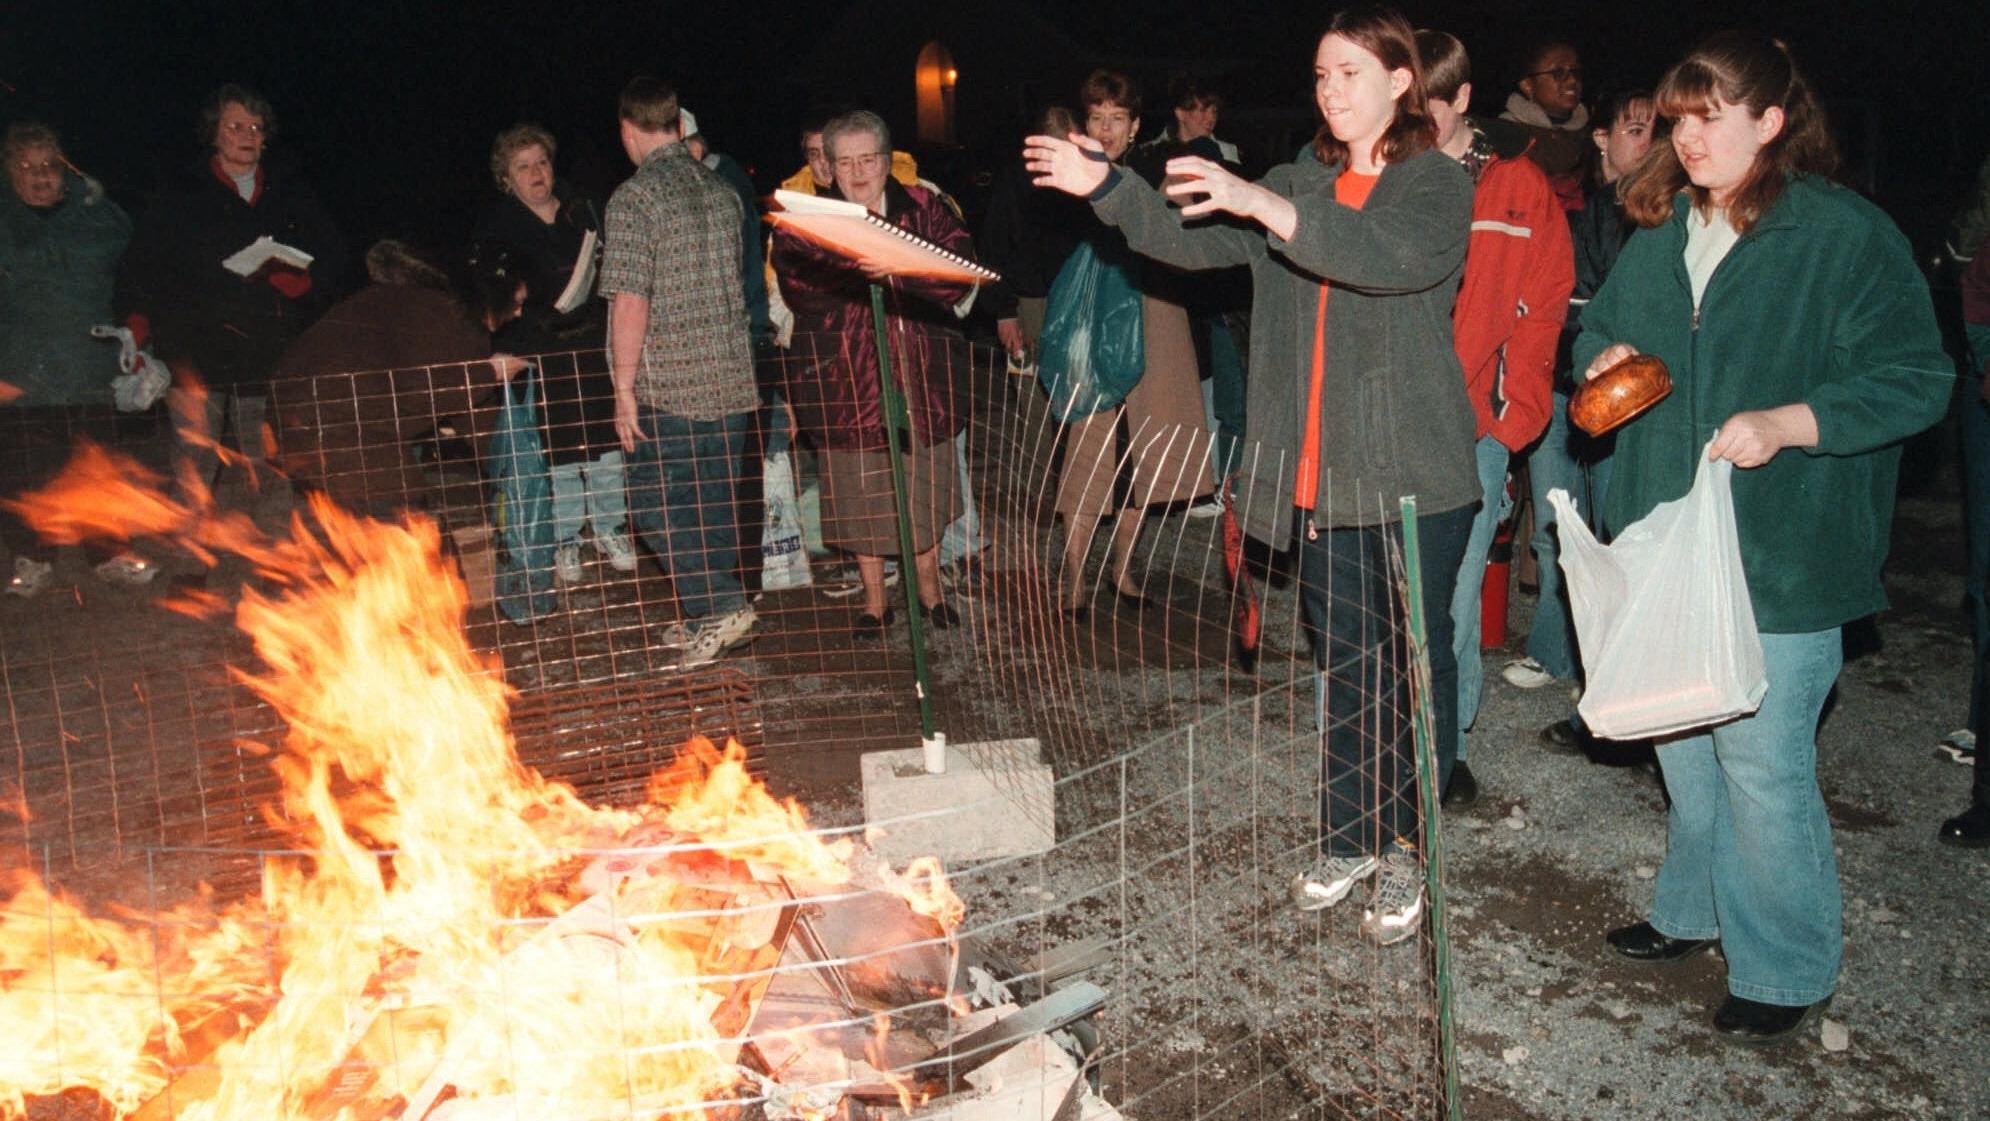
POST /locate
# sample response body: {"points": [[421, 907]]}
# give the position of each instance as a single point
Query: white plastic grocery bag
{"points": [[1662, 614], [783, 555]]}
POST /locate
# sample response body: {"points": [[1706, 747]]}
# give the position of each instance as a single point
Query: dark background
{"points": [[390, 107]]}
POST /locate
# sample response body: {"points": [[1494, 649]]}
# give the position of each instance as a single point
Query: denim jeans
{"points": [[1471, 578], [589, 492], [963, 535], [1976, 516], [1368, 794], [1555, 463], [681, 483], [1748, 856]]}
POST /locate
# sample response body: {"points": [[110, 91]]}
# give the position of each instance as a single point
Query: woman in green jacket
{"points": [[1356, 399], [1803, 348]]}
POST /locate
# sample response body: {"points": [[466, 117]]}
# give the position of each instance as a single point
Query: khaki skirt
{"points": [[1155, 446], [859, 511]]}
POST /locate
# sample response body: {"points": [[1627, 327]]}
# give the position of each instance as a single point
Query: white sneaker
{"points": [[1526, 673], [1329, 880], [566, 563], [1395, 911], [127, 568], [678, 635], [30, 577], [1958, 746], [616, 547], [1207, 508], [725, 633]]}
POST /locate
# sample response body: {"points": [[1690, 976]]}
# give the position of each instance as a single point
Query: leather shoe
{"points": [[1750, 1021], [943, 616], [1133, 601], [1563, 738], [1077, 615], [1643, 942], [1462, 790], [1969, 829], [869, 626]]}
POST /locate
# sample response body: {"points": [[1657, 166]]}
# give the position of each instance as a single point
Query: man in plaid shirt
{"points": [[682, 358]]}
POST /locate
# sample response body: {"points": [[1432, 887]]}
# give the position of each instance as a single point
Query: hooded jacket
{"points": [[1820, 303], [1561, 149], [57, 268]]}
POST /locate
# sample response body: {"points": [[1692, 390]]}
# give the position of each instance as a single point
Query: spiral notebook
{"points": [[851, 229]]}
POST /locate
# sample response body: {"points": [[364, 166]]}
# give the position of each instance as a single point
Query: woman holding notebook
{"points": [[834, 378]]}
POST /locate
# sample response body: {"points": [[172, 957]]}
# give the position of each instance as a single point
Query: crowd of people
{"points": [[1404, 307]]}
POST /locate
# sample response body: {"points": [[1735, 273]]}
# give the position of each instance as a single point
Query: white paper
{"points": [[581, 284], [245, 261]]}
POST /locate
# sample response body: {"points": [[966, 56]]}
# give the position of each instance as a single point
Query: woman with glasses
{"points": [[1356, 400], [833, 377], [1547, 104]]}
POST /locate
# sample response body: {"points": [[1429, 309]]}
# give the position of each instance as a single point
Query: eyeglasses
{"points": [[237, 128], [1559, 73], [868, 162]]}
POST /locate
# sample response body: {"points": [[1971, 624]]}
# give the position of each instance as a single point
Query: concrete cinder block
{"points": [[995, 799]]}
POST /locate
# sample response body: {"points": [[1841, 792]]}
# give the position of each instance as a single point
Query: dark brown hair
{"points": [[1103, 85], [650, 104], [234, 94], [1384, 33], [1753, 71], [1446, 66]]}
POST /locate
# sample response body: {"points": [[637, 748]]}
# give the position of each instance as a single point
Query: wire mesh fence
{"points": [[745, 586]]}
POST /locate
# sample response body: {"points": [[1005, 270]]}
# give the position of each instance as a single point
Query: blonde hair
{"points": [[514, 140]]}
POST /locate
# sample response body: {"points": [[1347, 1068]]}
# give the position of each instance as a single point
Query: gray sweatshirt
{"points": [[1394, 420]]}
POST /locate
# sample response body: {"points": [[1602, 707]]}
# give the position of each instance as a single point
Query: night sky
{"points": [[390, 106]]}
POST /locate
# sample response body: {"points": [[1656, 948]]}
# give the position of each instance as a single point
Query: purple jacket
{"points": [[832, 371]]}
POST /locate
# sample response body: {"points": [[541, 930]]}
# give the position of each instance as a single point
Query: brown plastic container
{"points": [[1619, 393]]}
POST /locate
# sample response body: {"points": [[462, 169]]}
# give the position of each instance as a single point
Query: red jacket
{"points": [[832, 371], [1519, 270]]}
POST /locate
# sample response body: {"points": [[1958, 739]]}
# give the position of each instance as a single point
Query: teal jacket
{"points": [[56, 272], [1820, 303]]}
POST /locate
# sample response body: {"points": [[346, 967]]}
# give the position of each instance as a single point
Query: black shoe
{"points": [[1563, 738], [1750, 1021], [1969, 829], [1643, 942], [942, 616], [1133, 601], [869, 626], [1463, 789], [1077, 616]]}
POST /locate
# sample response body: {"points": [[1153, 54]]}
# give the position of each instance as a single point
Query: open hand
{"points": [[507, 365], [1189, 176], [627, 428], [1075, 165]]}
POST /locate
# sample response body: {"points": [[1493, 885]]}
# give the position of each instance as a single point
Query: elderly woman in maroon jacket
{"points": [[833, 382]]}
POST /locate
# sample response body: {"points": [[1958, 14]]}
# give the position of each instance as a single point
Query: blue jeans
{"points": [[1976, 515], [1368, 794], [681, 484], [963, 535], [1748, 855], [1471, 579], [590, 491], [1555, 463]]}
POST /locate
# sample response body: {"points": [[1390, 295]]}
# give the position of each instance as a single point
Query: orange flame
{"points": [[431, 942]]}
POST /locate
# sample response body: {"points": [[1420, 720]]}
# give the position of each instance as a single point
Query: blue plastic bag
{"points": [[522, 504], [1091, 353]]}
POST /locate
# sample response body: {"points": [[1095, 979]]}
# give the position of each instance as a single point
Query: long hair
{"points": [[1384, 33], [1742, 68]]}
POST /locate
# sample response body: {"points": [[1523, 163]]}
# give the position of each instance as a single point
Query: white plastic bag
{"points": [[144, 379], [784, 556], [1662, 614]]}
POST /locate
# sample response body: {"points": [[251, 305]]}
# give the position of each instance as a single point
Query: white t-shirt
{"points": [[245, 185], [1708, 239]]}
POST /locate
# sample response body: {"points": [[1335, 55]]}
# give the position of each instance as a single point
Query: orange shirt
{"points": [[1350, 190]]}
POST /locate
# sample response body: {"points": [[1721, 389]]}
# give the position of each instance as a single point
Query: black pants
{"points": [[1360, 628]]}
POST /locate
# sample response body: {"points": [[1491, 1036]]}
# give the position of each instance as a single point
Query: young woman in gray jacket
{"points": [[1355, 249]]}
